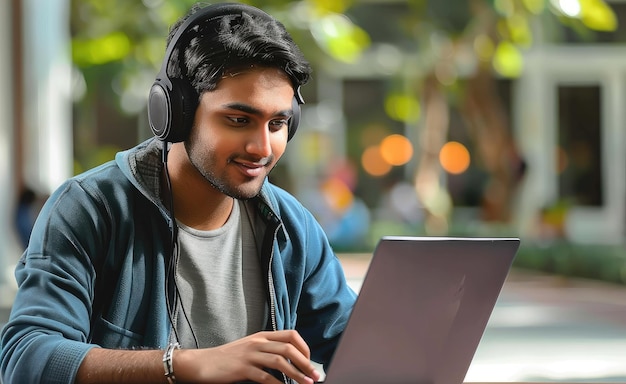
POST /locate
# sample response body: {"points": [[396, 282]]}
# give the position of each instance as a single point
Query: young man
{"points": [[187, 264]]}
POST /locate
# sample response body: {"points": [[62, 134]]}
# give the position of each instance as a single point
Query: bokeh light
{"points": [[396, 150], [340, 37], [454, 157], [337, 194], [112, 47], [504, 7], [484, 47], [571, 8], [403, 108], [508, 60], [373, 162], [534, 6], [519, 30]]}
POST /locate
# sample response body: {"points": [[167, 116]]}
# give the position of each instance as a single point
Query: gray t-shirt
{"points": [[220, 283]]}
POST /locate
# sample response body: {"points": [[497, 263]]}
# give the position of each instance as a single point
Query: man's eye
{"points": [[238, 120], [278, 124]]}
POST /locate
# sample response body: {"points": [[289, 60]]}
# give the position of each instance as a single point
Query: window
{"points": [[579, 158]]}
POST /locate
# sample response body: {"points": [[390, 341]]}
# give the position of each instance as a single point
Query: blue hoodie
{"points": [[95, 269]]}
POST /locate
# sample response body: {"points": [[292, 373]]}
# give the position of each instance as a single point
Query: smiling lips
{"points": [[251, 169]]}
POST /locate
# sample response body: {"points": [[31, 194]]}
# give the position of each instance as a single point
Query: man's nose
{"points": [[259, 143]]}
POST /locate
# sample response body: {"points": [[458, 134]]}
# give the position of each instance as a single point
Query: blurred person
{"points": [[179, 260], [25, 214], [27, 208]]}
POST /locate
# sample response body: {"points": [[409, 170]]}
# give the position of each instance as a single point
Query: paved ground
{"points": [[543, 329], [546, 329]]}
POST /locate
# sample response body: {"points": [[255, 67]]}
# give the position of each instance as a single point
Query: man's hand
{"points": [[245, 359], [241, 360]]}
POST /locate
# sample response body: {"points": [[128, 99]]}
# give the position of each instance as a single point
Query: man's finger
{"points": [[292, 337], [292, 362], [280, 363]]}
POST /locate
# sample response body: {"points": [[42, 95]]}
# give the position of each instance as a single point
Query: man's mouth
{"points": [[251, 169]]}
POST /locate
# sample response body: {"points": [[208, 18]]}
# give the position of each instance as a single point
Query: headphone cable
{"points": [[175, 251]]}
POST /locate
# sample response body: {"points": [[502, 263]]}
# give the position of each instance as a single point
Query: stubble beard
{"points": [[205, 164]]}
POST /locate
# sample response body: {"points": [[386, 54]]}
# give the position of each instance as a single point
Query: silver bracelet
{"points": [[168, 362]]}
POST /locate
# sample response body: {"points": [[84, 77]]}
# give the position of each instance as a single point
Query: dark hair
{"points": [[212, 48]]}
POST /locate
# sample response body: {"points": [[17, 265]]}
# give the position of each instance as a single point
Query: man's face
{"points": [[240, 130]]}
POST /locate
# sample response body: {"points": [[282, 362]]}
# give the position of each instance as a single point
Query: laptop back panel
{"points": [[422, 310]]}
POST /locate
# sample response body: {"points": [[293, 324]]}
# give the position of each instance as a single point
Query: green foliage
{"points": [[508, 60], [451, 16], [339, 37], [118, 45], [133, 33], [598, 262], [596, 15], [95, 158], [403, 107], [111, 47]]}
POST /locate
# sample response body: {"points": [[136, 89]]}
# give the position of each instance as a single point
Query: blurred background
{"points": [[423, 117], [478, 117]]}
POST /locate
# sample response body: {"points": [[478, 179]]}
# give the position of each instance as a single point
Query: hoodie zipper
{"points": [[273, 225], [270, 282], [272, 296]]}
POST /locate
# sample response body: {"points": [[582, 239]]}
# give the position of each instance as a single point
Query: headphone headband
{"points": [[205, 14], [172, 102]]}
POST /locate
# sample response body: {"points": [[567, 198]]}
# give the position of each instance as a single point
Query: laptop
{"points": [[422, 310]]}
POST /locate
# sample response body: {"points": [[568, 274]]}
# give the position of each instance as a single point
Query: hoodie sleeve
{"points": [[45, 339]]}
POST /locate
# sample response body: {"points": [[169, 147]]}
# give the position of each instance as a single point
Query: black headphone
{"points": [[172, 102]]}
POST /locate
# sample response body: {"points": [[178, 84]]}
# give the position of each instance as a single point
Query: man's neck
{"points": [[202, 214], [197, 204]]}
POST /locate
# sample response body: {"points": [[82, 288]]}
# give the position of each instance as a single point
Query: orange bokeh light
{"points": [[454, 157], [337, 194], [396, 150], [373, 162]]}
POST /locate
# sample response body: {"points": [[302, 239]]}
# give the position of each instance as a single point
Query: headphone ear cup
{"points": [[159, 110], [295, 119], [171, 110]]}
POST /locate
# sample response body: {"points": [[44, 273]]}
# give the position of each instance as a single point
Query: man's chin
{"points": [[246, 191]]}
